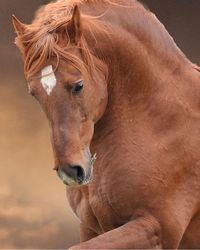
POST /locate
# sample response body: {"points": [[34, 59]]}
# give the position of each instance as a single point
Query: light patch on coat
{"points": [[48, 79]]}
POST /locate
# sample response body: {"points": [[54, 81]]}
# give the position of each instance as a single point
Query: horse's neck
{"points": [[141, 24], [140, 66]]}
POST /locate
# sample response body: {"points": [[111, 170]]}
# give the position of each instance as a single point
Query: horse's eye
{"points": [[77, 87]]}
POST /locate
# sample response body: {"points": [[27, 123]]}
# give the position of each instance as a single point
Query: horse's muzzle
{"points": [[71, 175], [75, 175]]}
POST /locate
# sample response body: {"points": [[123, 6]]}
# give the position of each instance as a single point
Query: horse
{"points": [[123, 104]]}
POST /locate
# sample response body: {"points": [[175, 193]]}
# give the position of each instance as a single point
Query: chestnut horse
{"points": [[110, 79]]}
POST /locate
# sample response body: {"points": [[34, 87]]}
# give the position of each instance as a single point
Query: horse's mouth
{"points": [[68, 181], [85, 177]]}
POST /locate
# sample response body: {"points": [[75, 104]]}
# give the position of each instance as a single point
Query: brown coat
{"points": [[139, 112]]}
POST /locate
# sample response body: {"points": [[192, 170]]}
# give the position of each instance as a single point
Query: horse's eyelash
{"points": [[71, 84], [79, 81]]}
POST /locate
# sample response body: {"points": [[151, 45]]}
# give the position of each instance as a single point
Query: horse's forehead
{"points": [[48, 79]]}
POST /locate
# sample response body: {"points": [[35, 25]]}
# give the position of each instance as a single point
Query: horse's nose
{"points": [[71, 174]]}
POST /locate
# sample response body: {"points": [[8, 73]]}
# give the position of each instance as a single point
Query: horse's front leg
{"points": [[140, 233]]}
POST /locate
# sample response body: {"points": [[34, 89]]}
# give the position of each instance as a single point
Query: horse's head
{"points": [[70, 85]]}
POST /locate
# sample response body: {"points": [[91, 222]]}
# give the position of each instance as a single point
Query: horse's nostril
{"points": [[71, 174], [78, 172]]}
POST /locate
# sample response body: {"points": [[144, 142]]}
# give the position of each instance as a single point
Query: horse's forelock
{"points": [[39, 44], [41, 41]]}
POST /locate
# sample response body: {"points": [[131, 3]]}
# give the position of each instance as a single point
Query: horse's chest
{"points": [[109, 207], [103, 211], [96, 209]]}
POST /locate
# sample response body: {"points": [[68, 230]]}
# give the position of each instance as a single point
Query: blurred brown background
{"points": [[34, 212]]}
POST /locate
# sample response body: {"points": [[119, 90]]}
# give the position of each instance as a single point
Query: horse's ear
{"points": [[19, 27], [74, 26]]}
